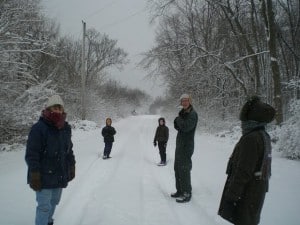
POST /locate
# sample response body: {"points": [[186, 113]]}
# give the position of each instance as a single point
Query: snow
{"points": [[130, 189]]}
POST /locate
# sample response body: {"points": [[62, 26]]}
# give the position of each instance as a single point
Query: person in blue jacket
{"points": [[50, 159], [108, 133]]}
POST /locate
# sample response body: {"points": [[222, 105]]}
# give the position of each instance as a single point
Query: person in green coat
{"points": [[185, 123], [249, 167]]}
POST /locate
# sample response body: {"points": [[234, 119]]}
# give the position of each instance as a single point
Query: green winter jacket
{"points": [[185, 124]]}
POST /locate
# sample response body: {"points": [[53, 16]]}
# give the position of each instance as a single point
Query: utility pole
{"points": [[83, 74]]}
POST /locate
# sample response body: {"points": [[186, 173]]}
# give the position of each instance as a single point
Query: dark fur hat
{"points": [[255, 109]]}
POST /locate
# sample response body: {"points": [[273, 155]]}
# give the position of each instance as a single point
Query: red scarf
{"points": [[57, 119]]}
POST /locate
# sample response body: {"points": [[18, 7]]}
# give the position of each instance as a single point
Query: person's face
{"points": [[185, 103], [108, 122], [161, 122], [57, 109]]}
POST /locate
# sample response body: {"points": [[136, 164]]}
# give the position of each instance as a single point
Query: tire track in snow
{"points": [[98, 195], [117, 165], [96, 175], [162, 185], [147, 158]]}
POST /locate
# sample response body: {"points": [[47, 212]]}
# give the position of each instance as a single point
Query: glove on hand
{"points": [[72, 172], [35, 181], [181, 113], [165, 144], [154, 143]]}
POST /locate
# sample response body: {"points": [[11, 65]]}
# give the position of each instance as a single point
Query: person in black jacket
{"points": [[249, 167], [50, 159], [108, 133], [161, 138]]}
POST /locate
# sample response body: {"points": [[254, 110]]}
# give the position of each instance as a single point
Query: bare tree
{"points": [[268, 14], [288, 29], [218, 50], [102, 53], [25, 38]]}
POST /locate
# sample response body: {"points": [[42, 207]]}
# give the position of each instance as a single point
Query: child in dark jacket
{"points": [[161, 138], [108, 133]]}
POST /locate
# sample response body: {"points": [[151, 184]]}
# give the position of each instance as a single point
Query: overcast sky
{"points": [[124, 20]]}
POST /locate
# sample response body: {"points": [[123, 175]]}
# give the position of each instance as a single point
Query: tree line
{"points": [[222, 51], [37, 61]]}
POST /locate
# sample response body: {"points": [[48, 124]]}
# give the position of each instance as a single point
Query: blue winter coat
{"points": [[49, 151]]}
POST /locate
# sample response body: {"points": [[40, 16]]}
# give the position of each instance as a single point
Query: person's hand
{"points": [[181, 113], [154, 143], [72, 172], [165, 145], [35, 181]]}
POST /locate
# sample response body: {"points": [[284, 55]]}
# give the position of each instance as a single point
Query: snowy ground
{"points": [[130, 189]]}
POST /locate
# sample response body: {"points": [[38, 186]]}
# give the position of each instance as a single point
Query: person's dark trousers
{"points": [[183, 176], [162, 151], [107, 148]]}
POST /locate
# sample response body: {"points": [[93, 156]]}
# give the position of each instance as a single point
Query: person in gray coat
{"points": [[249, 166]]}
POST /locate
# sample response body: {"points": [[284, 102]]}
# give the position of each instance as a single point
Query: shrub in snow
{"points": [[234, 133], [83, 125], [289, 133], [32, 102], [19, 115], [12, 147]]}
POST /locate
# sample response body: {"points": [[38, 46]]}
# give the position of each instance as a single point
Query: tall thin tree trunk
{"points": [[268, 14]]}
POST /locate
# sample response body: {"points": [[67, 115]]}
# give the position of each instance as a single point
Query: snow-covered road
{"points": [[130, 189]]}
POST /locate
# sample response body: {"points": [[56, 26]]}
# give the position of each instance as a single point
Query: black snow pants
{"points": [[162, 151], [183, 167]]}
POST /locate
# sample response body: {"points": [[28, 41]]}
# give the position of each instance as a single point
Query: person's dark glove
{"points": [[35, 181], [154, 143], [165, 144], [72, 172], [181, 114]]}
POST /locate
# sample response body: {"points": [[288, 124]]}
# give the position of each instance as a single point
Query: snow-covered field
{"points": [[130, 189]]}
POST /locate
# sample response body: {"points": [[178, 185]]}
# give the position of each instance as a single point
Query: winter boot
{"points": [[186, 197], [176, 194], [161, 163]]}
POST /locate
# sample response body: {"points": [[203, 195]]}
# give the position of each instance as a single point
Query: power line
{"points": [[117, 22], [100, 10]]}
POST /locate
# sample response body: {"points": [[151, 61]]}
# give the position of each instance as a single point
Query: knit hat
{"points": [[186, 96], [54, 100], [255, 109]]}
